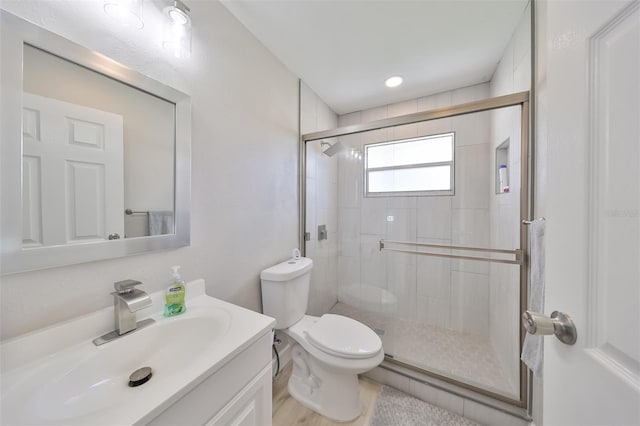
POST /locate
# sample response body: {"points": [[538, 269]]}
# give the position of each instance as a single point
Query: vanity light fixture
{"points": [[127, 12], [177, 29], [394, 81]]}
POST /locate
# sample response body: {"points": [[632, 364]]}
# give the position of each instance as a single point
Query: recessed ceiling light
{"points": [[394, 81]]}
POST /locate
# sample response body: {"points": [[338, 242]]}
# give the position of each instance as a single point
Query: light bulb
{"points": [[177, 29], [127, 12], [178, 17]]}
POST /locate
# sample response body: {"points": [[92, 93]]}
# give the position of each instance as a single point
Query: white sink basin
{"points": [[89, 380], [87, 384]]}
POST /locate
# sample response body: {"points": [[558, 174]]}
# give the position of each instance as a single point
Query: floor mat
{"points": [[395, 408]]}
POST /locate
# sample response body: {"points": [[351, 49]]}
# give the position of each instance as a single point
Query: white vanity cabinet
{"points": [[211, 366], [239, 393]]}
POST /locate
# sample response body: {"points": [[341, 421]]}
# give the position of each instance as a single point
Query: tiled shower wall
{"points": [[322, 203], [450, 293], [512, 75]]}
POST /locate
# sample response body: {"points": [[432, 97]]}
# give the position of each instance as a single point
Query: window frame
{"points": [[427, 193]]}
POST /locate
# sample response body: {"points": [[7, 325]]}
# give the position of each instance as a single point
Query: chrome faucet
{"points": [[127, 300]]}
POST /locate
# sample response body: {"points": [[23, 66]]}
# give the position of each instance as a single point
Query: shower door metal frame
{"points": [[526, 205]]}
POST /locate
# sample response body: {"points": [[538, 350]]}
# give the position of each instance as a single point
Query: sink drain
{"points": [[140, 376]]}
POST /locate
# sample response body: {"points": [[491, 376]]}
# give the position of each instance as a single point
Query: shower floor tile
{"points": [[465, 357]]}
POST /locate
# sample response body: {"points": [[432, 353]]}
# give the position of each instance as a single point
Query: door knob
{"points": [[114, 236], [559, 324]]}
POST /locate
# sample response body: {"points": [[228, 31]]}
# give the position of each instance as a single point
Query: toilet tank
{"points": [[285, 290]]}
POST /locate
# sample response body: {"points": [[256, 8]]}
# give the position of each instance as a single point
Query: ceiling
{"points": [[345, 49]]}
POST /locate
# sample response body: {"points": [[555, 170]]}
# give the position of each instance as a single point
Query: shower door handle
{"points": [[559, 324]]}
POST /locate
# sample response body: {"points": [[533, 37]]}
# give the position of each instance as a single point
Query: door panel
{"points": [[615, 194], [85, 195], [31, 209]]}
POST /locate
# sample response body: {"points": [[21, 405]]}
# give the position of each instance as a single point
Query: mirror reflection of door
{"points": [[72, 173], [147, 153]]}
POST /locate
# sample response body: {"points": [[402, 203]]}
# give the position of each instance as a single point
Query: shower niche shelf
{"points": [[502, 168]]}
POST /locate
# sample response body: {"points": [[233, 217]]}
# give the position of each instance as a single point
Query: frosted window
{"points": [[423, 179], [432, 149], [418, 166]]}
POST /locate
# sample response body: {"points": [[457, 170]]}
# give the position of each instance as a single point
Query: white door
{"points": [[72, 173], [589, 125]]}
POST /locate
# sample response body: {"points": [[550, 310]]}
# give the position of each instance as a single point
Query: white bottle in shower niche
{"points": [[503, 178]]}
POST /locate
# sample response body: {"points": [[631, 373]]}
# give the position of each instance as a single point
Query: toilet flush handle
{"points": [[295, 254]]}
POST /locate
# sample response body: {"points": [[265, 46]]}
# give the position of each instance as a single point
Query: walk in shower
{"points": [[414, 223]]}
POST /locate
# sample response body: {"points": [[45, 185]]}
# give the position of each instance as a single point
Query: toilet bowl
{"points": [[328, 352]]}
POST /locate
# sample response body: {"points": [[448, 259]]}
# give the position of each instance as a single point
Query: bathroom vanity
{"points": [[210, 365]]}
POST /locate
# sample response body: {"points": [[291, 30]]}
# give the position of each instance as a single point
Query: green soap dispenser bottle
{"points": [[174, 298]]}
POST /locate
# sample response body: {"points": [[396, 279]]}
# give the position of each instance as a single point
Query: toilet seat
{"points": [[299, 333], [343, 337]]}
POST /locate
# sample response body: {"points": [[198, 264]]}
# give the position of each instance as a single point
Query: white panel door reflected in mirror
{"points": [[93, 147], [72, 186]]}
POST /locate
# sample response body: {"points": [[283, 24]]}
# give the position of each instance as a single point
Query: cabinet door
{"points": [[251, 406]]}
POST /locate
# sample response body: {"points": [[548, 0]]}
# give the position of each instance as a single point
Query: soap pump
{"points": [[174, 298]]}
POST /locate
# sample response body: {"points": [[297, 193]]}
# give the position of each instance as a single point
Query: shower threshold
{"points": [[463, 357]]}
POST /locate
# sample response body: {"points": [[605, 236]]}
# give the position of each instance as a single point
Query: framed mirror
{"points": [[95, 157]]}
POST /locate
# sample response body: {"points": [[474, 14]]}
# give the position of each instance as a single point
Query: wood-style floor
{"points": [[287, 411]]}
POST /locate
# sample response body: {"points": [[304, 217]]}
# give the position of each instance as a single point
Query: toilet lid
{"points": [[344, 337]]}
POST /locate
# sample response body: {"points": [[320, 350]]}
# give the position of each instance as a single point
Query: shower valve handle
{"points": [[559, 324]]}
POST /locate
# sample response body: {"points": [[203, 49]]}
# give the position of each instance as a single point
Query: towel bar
{"points": [[516, 253], [129, 211]]}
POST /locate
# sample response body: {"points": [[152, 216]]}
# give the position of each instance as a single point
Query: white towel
{"points": [[532, 351], [160, 222]]}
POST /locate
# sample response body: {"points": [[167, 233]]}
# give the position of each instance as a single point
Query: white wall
{"points": [[444, 292], [244, 163], [322, 203], [512, 75]]}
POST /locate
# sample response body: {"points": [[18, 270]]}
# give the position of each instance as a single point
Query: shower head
{"points": [[333, 149]]}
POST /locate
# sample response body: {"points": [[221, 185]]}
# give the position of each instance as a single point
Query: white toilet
{"points": [[329, 352]]}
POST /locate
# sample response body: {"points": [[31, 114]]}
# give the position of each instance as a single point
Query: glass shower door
{"points": [[427, 249]]}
